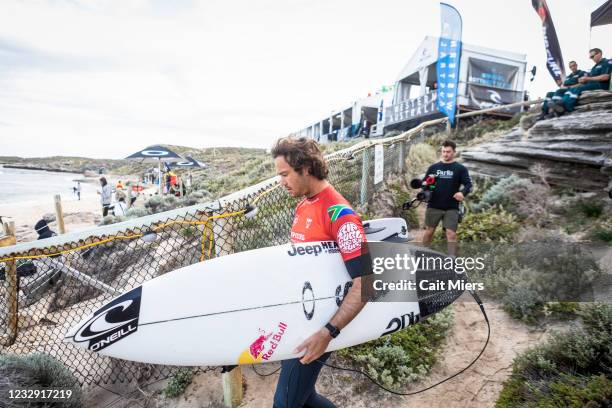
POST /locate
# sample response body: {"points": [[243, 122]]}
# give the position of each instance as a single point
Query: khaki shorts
{"points": [[450, 218]]}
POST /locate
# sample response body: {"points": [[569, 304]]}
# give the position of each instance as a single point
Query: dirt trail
{"points": [[477, 387]]}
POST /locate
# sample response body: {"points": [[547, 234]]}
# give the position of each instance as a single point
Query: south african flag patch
{"points": [[339, 210]]}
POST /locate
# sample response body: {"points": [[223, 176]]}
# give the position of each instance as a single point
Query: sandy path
{"points": [[478, 387], [78, 215]]}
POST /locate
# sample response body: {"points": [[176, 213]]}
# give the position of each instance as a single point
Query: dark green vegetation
{"points": [[572, 369], [36, 371]]}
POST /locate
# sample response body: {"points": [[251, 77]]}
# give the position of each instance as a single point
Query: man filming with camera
{"points": [[446, 195]]}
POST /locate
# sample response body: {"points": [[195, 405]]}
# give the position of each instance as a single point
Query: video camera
{"points": [[426, 186]]}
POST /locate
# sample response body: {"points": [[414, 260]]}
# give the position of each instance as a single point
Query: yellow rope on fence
{"points": [[127, 237]]}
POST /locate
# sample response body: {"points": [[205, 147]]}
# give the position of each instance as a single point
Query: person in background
{"points": [[43, 230], [445, 199], [571, 81], [168, 181], [105, 194], [129, 188], [119, 185], [598, 78], [187, 184], [78, 190], [120, 207]]}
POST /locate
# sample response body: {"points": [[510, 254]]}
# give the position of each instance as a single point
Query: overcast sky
{"points": [[103, 78]]}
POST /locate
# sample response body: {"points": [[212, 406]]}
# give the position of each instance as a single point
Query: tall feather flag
{"points": [[449, 57]]}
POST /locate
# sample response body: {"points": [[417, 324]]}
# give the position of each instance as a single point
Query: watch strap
{"points": [[333, 330]]}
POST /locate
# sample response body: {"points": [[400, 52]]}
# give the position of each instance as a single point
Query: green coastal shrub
{"points": [[602, 230], [499, 193], [179, 383], [404, 356], [590, 208], [487, 226], [585, 214], [36, 371], [528, 276], [136, 212], [572, 369]]}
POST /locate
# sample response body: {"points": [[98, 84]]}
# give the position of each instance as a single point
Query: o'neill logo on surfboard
{"points": [[264, 346], [112, 323]]}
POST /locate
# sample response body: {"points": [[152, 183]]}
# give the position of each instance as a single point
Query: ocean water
{"points": [[24, 186]]}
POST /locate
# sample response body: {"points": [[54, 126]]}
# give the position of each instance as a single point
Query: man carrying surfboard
{"points": [[323, 215]]}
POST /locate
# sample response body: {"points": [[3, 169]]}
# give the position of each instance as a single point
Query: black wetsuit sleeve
{"points": [[360, 265]]}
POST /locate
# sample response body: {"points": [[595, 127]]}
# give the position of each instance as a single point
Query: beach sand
{"points": [[78, 215]]}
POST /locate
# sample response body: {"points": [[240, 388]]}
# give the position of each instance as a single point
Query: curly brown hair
{"points": [[302, 153]]}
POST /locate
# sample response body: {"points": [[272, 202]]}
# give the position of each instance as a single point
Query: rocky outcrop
{"points": [[574, 150]]}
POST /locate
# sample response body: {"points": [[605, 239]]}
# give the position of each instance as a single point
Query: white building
{"points": [[487, 77]]}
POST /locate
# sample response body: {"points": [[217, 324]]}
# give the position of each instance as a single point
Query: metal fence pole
{"points": [[223, 230], [402, 156], [365, 169]]}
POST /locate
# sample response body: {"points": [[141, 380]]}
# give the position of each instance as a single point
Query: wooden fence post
{"points": [[223, 230], [11, 291], [59, 214]]}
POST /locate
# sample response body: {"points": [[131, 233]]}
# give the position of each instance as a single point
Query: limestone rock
{"points": [[576, 148]]}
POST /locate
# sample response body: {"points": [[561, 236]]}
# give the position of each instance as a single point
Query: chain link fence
{"points": [[48, 286]]}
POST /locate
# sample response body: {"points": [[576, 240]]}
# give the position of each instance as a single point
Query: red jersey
{"points": [[327, 216]]}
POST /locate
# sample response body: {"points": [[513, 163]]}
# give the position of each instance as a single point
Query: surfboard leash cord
{"points": [[484, 313]]}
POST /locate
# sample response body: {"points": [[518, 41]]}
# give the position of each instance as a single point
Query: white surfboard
{"points": [[251, 307]]}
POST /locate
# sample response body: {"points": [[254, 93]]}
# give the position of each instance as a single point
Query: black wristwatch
{"points": [[333, 330]]}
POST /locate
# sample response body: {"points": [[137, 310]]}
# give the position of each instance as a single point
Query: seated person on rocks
{"points": [[571, 81], [598, 78]]}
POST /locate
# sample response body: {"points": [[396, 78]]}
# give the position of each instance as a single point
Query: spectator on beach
{"points": [[132, 192], [571, 81], [120, 207], [188, 182], [78, 190], [598, 78], [119, 185], [168, 182], [119, 194], [105, 196], [43, 230]]}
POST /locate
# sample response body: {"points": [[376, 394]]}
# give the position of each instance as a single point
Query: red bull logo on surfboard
{"points": [[257, 347], [264, 346]]}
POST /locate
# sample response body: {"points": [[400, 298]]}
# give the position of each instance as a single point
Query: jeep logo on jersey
{"points": [[327, 247], [112, 323]]}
